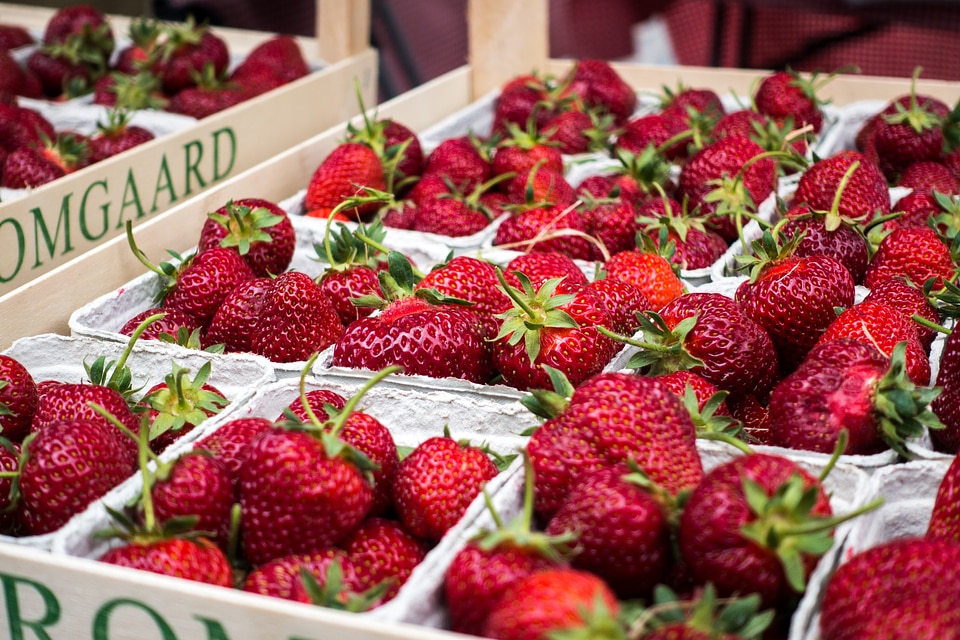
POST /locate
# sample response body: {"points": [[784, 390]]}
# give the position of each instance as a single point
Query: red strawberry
{"points": [[9, 464], [545, 228], [13, 36], [229, 442], [199, 485], [544, 329], [600, 86], [280, 55], [654, 429], [259, 229], [538, 186], [650, 271], [909, 300], [929, 175], [702, 101], [540, 266], [18, 399], [436, 483], [624, 301], [784, 94], [902, 587], [296, 319], [73, 19], [612, 221], [521, 97], [845, 243], [210, 93], [577, 132], [198, 560], [116, 136], [945, 519], [523, 149], [346, 172], [233, 323], [474, 280], [33, 166], [846, 384], [418, 331], [70, 463], [382, 551], [883, 327], [284, 577], [697, 246], [739, 530], [461, 160], [443, 209], [946, 406], [702, 617], [915, 253], [15, 80], [653, 130], [553, 601], [610, 511], [865, 196], [186, 50]]}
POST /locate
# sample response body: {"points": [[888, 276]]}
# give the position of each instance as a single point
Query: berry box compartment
{"points": [[61, 358], [908, 491], [413, 414], [103, 317]]}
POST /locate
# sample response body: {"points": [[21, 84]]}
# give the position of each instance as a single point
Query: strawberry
{"points": [[929, 175], [302, 488], [786, 94], [902, 587], [702, 617], [228, 443], [746, 529], [612, 221], [417, 330], [651, 271], [9, 465], [493, 559], [15, 80], [847, 384], [540, 266], [654, 429], [793, 297], [210, 93], [543, 329], [13, 36], [447, 211], [280, 55], [186, 49], [21, 127], [260, 230], [624, 301], [296, 319], [69, 464], [142, 52], [383, 552], [18, 399], [462, 160], [909, 300], [946, 406], [284, 577], [945, 519], [697, 246], [199, 485], [599, 85], [116, 136], [199, 560], [576, 132], [474, 280], [540, 185], [545, 228], [352, 270], [349, 170], [653, 130], [521, 97], [815, 236], [611, 510], [554, 601], [686, 101], [637, 176], [138, 91], [178, 404], [33, 166], [865, 195], [883, 327], [436, 483], [232, 324], [74, 19], [918, 254]]}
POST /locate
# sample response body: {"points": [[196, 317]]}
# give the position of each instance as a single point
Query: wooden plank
{"points": [[44, 304], [343, 28], [507, 38]]}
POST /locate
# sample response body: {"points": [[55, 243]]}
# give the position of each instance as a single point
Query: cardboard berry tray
{"points": [[58, 221], [413, 414], [61, 358]]}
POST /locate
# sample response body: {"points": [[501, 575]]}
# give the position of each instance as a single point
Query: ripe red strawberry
{"points": [[909, 129], [382, 551], [883, 327], [599, 85], [13, 36], [793, 297], [610, 511], [902, 587], [865, 196], [612, 221], [296, 319], [300, 492], [22, 127], [195, 485], [73, 19], [210, 93], [624, 301], [946, 406], [701, 101], [697, 245], [945, 519], [915, 253], [653, 129], [9, 464], [260, 230], [178, 404], [417, 330], [474, 280], [785, 94], [553, 601], [443, 209], [171, 326], [494, 559], [229, 442], [199, 560], [462, 160], [929, 175], [521, 97], [283, 577], [576, 132], [909, 300], [650, 271], [436, 483], [523, 149], [280, 55], [18, 399], [751, 544], [847, 384], [654, 429], [69, 464], [845, 243], [115, 136], [538, 186], [15, 80], [545, 228], [232, 324], [187, 49], [546, 328], [540, 266], [702, 617], [33, 166], [346, 172]]}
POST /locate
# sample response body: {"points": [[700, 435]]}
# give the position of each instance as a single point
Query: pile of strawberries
{"points": [[180, 68]]}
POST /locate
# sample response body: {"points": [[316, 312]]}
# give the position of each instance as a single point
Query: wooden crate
{"points": [[67, 217], [76, 598]]}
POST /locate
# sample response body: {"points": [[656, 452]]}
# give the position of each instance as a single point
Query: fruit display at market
{"points": [[574, 224]]}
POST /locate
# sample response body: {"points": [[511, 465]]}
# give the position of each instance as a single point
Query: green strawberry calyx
{"points": [[334, 594], [916, 116], [662, 349], [182, 401], [245, 225], [740, 616], [532, 312]]}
